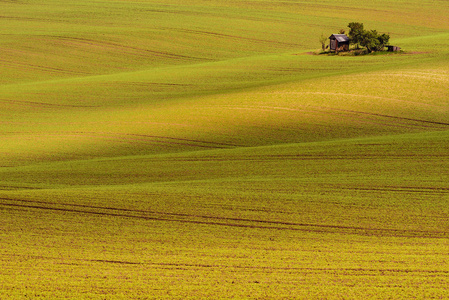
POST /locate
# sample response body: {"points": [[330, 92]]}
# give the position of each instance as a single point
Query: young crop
{"points": [[156, 150]]}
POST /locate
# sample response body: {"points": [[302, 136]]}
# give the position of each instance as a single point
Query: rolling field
{"points": [[155, 150]]}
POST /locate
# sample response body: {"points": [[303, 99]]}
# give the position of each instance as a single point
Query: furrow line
{"points": [[221, 266], [234, 222], [42, 104], [138, 137]]}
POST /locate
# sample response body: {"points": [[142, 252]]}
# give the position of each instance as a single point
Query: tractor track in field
{"points": [[131, 138], [229, 36], [179, 265], [396, 117], [359, 271], [42, 104], [215, 144], [150, 215], [397, 120], [306, 157], [116, 46], [402, 189], [29, 66]]}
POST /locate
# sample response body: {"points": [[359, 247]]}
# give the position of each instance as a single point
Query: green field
{"points": [[165, 150]]}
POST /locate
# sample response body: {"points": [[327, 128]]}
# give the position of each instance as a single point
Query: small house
{"points": [[393, 48], [339, 42]]}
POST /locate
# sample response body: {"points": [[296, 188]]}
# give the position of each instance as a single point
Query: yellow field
{"points": [[169, 150]]}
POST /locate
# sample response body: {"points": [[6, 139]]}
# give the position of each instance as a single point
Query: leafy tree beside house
{"points": [[370, 39], [355, 33]]}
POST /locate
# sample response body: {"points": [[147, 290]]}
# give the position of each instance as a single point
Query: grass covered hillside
{"points": [[159, 150]]}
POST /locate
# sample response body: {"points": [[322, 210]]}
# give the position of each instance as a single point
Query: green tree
{"points": [[371, 39], [368, 40], [383, 39], [356, 33]]}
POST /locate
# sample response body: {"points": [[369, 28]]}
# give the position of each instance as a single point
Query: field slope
{"points": [[172, 150]]}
